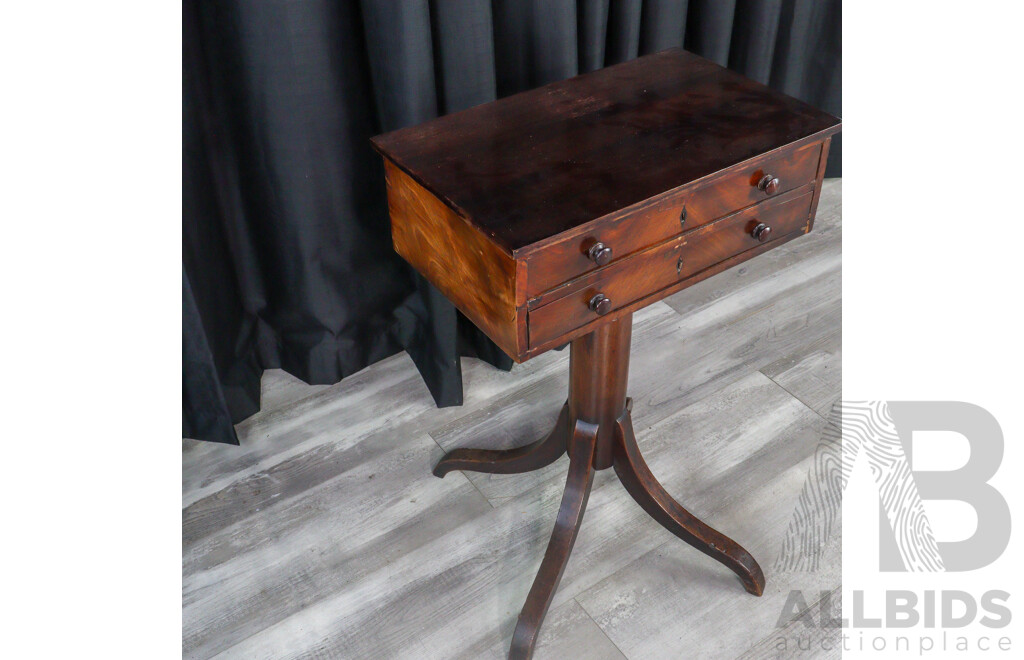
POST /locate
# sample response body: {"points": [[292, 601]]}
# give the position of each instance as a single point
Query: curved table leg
{"points": [[567, 525], [510, 461], [649, 494]]}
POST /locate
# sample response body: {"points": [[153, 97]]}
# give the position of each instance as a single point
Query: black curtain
{"points": [[286, 245]]}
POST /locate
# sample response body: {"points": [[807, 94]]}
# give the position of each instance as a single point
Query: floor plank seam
{"points": [[477, 489], [470, 481], [598, 626], [802, 402]]}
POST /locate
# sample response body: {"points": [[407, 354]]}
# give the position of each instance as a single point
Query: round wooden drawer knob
{"points": [[762, 232], [600, 253], [600, 304], [769, 184]]}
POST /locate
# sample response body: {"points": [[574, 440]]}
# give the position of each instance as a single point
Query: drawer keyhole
{"points": [[679, 266]]}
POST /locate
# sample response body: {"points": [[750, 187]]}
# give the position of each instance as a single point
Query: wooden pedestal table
{"points": [[550, 216]]}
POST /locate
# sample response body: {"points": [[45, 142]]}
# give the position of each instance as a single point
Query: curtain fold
{"points": [[287, 256]]}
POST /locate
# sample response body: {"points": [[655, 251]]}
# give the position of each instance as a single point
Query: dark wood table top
{"points": [[534, 165]]}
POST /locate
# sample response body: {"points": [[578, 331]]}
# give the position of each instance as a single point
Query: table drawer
{"points": [[641, 226], [666, 265]]}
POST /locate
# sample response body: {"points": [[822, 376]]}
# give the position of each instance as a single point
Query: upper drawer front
{"points": [[653, 222], [667, 264], [739, 188]]}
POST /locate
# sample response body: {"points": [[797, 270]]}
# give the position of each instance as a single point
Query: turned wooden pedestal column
{"points": [[596, 431]]}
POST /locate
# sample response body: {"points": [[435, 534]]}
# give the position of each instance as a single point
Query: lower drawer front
{"points": [[665, 265]]}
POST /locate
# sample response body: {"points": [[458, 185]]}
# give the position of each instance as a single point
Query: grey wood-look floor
{"points": [[326, 536]]}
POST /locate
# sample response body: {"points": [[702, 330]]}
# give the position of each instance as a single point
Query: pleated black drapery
{"points": [[286, 243]]}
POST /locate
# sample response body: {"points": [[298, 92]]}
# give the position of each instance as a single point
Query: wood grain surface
{"points": [[446, 249]]}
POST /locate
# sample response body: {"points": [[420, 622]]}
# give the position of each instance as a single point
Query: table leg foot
{"points": [[649, 494], [510, 461], [567, 525]]}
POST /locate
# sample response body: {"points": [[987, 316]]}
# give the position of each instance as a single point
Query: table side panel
{"points": [[470, 270]]}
